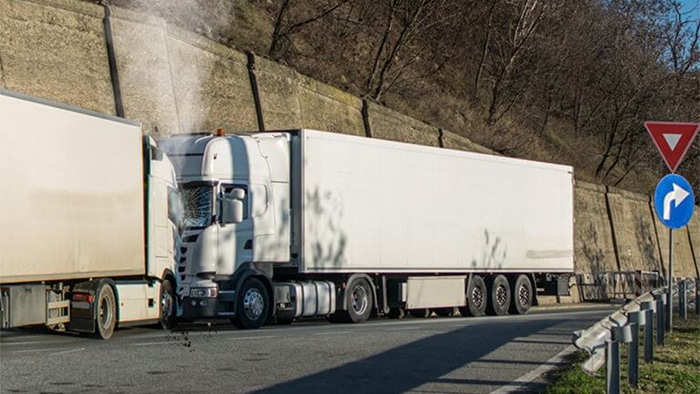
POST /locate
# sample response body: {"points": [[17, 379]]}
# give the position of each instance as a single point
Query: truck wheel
{"points": [[499, 296], [444, 312], [358, 297], [168, 306], [253, 305], [419, 313], [106, 317], [522, 292], [476, 298]]}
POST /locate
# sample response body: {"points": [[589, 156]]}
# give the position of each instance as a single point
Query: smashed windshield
{"points": [[198, 201]]}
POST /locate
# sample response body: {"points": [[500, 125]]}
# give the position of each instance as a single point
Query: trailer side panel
{"points": [[378, 206], [71, 194]]}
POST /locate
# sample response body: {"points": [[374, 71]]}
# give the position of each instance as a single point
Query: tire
{"points": [[168, 306], [419, 313], [499, 296], [521, 301], [252, 305], [477, 298], [396, 313], [359, 301], [106, 312], [444, 312]]}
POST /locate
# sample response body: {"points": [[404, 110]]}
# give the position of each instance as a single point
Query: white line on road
{"points": [[40, 350], [332, 332], [152, 343], [68, 351], [537, 372], [253, 337], [26, 343]]}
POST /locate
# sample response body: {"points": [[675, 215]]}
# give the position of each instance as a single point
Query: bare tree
{"points": [[284, 29], [511, 66]]}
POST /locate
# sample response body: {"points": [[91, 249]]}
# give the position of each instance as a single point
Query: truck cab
{"points": [[235, 194]]}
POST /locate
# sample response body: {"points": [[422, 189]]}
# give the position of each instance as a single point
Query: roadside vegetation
{"points": [[676, 367]]}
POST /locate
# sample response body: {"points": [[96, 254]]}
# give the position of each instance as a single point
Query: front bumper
{"points": [[208, 308], [199, 308]]}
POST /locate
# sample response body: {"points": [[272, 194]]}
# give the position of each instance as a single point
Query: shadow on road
{"points": [[422, 362]]}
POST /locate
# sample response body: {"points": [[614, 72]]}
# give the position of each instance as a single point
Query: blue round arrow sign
{"points": [[674, 201]]}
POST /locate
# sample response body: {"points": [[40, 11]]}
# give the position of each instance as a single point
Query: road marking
{"points": [[254, 337], [549, 365], [153, 343], [332, 332], [25, 343], [40, 350], [68, 351]]}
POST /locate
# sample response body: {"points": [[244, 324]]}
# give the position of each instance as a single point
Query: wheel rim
{"points": [[167, 305], [253, 304], [501, 296], [105, 313], [477, 297], [523, 295], [359, 300]]}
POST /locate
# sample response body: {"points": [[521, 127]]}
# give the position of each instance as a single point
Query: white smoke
{"points": [[170, 99]]}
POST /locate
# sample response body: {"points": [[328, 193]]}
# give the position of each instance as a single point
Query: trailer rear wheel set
{"points": [[494, 295]]}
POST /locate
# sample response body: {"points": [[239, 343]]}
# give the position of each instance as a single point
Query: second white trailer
{"points": [[379, 206]]}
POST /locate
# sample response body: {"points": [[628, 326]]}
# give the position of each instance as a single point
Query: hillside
{"points": [[559, 81]]}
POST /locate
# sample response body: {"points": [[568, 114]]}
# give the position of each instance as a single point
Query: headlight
{"points": [[204, 292]]}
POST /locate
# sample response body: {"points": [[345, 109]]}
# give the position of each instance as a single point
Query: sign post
{"points": [[673, 199]]}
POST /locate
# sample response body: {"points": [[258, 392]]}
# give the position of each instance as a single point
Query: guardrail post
{"points": [[660, 319], [649, 336], [612, 366], [648, 310], [636, 320], [683, 300]]}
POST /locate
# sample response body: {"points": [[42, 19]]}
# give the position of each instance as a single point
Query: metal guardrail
{"points": [[593, 340], [602, 340]]}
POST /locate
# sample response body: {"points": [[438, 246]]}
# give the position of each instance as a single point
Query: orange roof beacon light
{"points": [[220, 132]]}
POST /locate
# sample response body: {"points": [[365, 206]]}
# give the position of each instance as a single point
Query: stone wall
{"points": [[178, 82]]}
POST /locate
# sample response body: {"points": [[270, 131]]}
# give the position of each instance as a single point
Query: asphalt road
{"points": [[433, 355]]}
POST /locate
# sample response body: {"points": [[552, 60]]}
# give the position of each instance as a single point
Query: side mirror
{"points": [[231, 211], [232, 207], [156, 154]]}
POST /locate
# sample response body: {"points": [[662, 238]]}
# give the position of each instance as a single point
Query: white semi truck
{"points": [[301, 223], [88, 220]]}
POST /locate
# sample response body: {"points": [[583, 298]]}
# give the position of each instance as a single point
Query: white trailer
{"points": [[87, 232], [306, 223]]}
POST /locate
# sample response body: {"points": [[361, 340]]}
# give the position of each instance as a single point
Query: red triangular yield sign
{"points": [[672, 139]]}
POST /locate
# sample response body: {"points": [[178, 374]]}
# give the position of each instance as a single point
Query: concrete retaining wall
{"points": [[594, 250], [175, 82], [635, 232], [56, 50]]}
